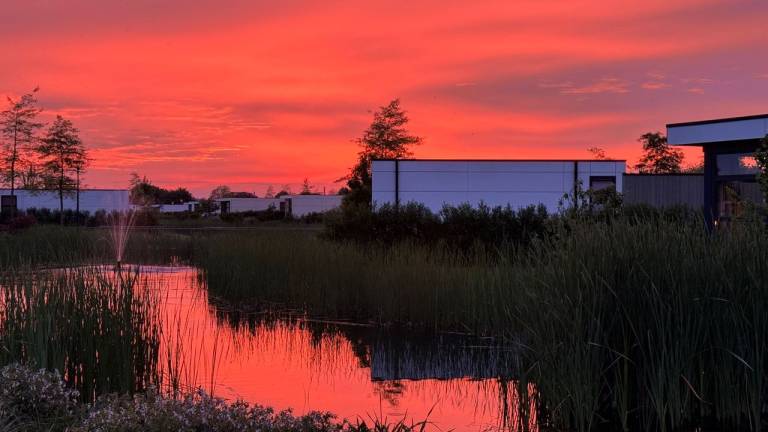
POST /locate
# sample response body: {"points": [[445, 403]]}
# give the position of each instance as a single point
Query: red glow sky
{"points": [[249, 93]]}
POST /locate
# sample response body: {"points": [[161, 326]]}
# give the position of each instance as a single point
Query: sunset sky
{"points": [[248, 93]]}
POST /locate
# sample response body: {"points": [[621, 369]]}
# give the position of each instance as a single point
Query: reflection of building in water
{"points": [[358, 370], [416, 357], [399, 355]]}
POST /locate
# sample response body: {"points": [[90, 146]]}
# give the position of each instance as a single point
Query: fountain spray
{"points": [[121, 225]]}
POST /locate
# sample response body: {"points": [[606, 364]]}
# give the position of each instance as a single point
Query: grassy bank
{"points": [[637, 326]]}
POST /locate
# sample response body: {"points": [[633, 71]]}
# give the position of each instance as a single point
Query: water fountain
{"points": [[120, 227]]}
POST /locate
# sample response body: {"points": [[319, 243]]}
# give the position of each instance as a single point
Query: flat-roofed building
{"points": [[517, 183], [189, 206], [239, 205], [293, 205], [730, 169], [91, 200], [302, 205]]}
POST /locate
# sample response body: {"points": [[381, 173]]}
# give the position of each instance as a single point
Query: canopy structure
{"points": [[730, 170]]}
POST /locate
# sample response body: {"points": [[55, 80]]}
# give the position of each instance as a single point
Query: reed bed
{"points": [[623, 325], [54, 246], [92, 324]]}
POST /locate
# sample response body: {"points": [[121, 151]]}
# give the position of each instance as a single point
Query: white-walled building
{"points": [[91, 200], [189, 206], [293, 205], [518, 183], [238, 205], [302, 205]]}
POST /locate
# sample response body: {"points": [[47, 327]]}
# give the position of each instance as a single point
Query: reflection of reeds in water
{"points": [[90, 323], [453, 373]]}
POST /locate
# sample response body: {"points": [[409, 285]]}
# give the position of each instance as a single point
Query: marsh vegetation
{"points": [[618, 324]]}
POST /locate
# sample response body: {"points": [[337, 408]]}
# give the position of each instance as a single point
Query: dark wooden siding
{"points": [[664, 190]]}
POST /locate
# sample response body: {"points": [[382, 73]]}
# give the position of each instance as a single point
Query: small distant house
{"points": [[517, 183], [292, 205], [189, 206], [302, 205], [91, 200], [730, 168], [239, 205]]}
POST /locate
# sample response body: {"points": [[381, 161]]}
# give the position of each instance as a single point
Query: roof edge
{"points": [[718, 120]]}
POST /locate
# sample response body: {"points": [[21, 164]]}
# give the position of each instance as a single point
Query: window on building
{"points": [[8, 204], [737, 164], [602, 182], [733, 197]]}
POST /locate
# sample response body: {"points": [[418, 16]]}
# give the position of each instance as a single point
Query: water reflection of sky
{"points": [[349, 370]]}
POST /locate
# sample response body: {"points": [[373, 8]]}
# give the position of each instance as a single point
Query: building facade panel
{"points": [[435, 183], [302, 205], [518, 181]]}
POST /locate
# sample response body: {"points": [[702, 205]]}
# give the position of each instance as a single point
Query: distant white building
{"points": [[189, 206], [518, 183], [302, 205], [239, 205], [293, 205], [91, 200]]}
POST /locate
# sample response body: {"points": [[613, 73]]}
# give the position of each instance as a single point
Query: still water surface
{"points": [[355, 371]]}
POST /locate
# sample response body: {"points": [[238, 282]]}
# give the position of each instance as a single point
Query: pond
{"points": [[355, 371]]}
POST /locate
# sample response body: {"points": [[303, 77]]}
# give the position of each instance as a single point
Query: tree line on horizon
{"points": [[36, 156]]}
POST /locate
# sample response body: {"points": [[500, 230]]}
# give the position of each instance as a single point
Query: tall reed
{"points": [[92, 324]]}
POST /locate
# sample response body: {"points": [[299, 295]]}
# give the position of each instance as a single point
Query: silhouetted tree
{"points": [[79, 165], [658, 157], [61, 152], [284, 190], [270, 192], [175, 196], [144, 193], [597, 153], [18, 129], [386, 138], [696, 168], [306, 188], [30, 176], [220, 192]]}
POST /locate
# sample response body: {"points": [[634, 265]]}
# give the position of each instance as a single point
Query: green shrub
{"points": [[250, 217], [461, 227]]}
